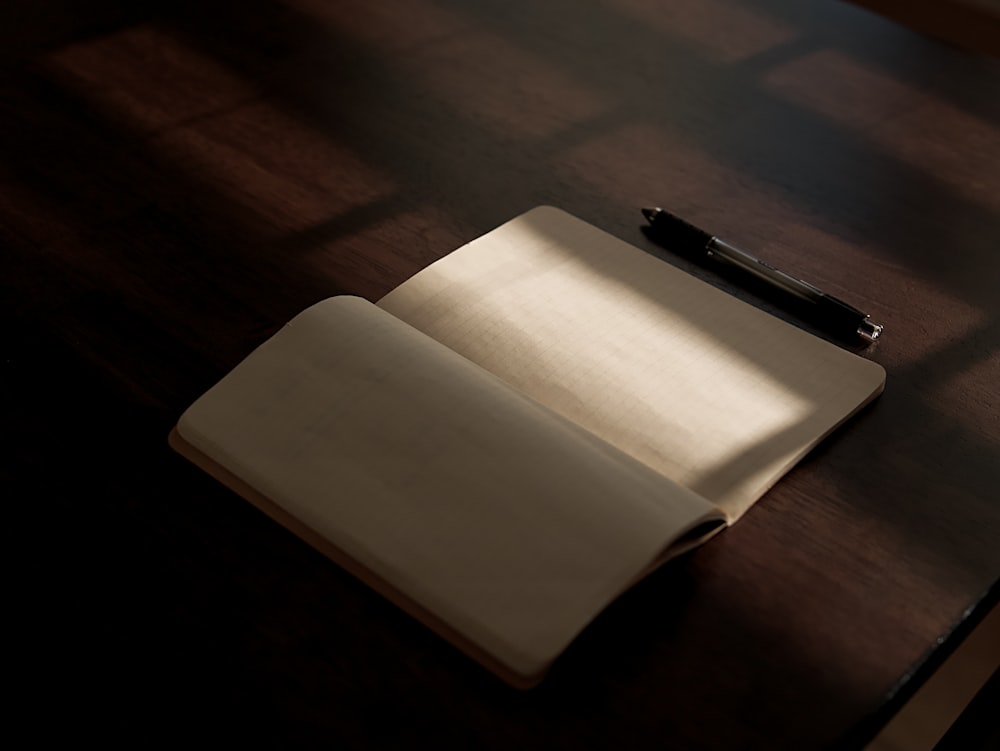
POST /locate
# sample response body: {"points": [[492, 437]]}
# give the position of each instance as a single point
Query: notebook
{"points": [[510, 439]]}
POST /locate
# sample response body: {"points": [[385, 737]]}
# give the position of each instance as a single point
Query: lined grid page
{"points": [[718, 396]]}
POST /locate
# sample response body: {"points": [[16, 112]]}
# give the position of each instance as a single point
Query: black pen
{"points": [[828, 312]]}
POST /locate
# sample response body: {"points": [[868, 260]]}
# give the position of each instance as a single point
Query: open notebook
{"points": [[511, 438]]}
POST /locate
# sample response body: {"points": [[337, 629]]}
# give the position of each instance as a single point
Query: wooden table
{"points": [[179, 178]]}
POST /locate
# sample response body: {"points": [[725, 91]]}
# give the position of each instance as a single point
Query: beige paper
{"points": [[709, 391], [507, 522]]}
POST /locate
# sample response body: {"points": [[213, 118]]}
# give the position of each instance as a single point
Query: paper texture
{"points": [[718, 396], [509, 523]]}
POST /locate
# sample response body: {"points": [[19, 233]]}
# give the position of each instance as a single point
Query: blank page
{"points": [[711, 392], [506, 522]]}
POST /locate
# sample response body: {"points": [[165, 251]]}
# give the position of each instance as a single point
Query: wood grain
{"points": [[179, 179]]}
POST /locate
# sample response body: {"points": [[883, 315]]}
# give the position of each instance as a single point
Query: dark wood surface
{"points": [[972, 24], [178, 179]]}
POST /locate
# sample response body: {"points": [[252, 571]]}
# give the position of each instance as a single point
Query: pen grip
{"points": [[721, 251], [821, 308]]}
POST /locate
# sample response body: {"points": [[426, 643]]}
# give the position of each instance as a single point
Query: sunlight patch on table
{"points": [[499, 85], [115, 70], [914, 126], [302, 178], [726, 32]]}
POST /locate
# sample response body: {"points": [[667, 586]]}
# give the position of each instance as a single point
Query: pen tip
{"points": [[650, 214]]}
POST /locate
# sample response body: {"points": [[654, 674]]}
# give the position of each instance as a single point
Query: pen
{"points": [[828, 312]]}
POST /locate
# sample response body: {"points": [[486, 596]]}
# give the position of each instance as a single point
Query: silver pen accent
{"points": [[828, 311]]}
